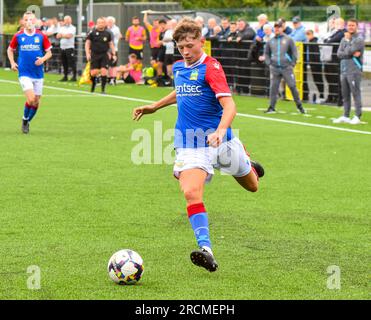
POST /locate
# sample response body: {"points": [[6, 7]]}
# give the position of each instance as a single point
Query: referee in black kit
{"points": [[97, 45]]}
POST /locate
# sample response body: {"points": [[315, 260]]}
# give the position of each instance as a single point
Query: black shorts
{"points": [[154, 53], [169, 59], [138, 53], [129, 79], [99, 61], [161, 55]]}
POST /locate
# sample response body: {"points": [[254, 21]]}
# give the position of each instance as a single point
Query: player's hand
{"points": [[357, 54], [140, 111], [215, 139], [347, 35], [88, 57], [114, 58], [39, 61], [14, 66], [261, 58]]}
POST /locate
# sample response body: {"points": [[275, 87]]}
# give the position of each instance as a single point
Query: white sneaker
{"points": [[355, 120], [342, 119]]}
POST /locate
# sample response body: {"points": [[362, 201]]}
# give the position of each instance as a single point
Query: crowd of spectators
{"points": [[238, 45]]}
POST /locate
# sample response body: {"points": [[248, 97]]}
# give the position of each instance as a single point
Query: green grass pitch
{"points": [[70, 196]]}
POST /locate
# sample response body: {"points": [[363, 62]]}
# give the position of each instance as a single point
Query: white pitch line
{"points": [[239, 114], [46, 96], [303, 123]]}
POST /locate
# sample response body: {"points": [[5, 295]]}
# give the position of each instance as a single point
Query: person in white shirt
{"points": [[67, 34], [117, 36], [169, 46]]}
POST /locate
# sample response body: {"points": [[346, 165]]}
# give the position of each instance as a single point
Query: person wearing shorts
{"points": [[203, 139], [34, 49], [97, 46]]}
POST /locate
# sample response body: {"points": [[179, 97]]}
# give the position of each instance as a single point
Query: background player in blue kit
{"points": [[34, 49], [204, 140]]}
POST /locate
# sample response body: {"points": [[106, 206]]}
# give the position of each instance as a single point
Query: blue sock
{"points": [[32, 113], [26, 111], [200, 224]]}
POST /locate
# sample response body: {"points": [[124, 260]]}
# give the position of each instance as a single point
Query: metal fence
{"points": [[245, 74]]}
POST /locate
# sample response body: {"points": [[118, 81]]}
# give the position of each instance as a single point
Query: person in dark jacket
{"points": [[332, 69], [244, 33], [230, 66], [312, 62], [286, 29]]}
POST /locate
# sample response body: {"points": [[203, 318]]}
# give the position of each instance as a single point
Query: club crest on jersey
{"points": [[194, 75], [37, 40], [23, 39], [216, 65]]}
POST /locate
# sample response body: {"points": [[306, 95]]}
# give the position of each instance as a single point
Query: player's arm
{"points": [[145, 21], [113, 50], [164, 102], [13, 64], [12, 47], [88, 49], [229, 112], [41, 60], [217, 81]]}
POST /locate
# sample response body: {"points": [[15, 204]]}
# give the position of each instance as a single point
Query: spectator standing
{"points": [[350, 53], [136, 36], [332, 67], [224, 33], [312, 62], [201, 23], [244, 33], [211, 24], [51, 31], [298, 34], [169, 43], [117, 36], [154, 38], [230, 64], [281, 55], [286, 29], [262, 21], [67, 35]]}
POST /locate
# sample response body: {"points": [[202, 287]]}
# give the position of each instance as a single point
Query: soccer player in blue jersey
{"points": [[204, 140], [34, 49]]}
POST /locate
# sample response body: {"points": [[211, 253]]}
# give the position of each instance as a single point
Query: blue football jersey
{"points": [[198, 88], [30, 47]]}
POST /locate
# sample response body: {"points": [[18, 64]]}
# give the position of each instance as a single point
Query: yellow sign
{"points": [[207, 47], [298, 72]]}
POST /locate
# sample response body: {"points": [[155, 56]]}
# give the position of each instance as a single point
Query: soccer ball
{"points": [[125, 267]]}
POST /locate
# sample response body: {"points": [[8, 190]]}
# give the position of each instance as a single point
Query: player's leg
{"points": [[93, 74], [192, 185], [275, 78], [346, 93], [37, 89], [233, 159], [104, 73], [94, 70], [28, 90], [72, 63], [289, 77]]}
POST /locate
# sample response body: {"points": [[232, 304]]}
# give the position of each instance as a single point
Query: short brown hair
{"points": [[353, 20], [187, 27]]}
